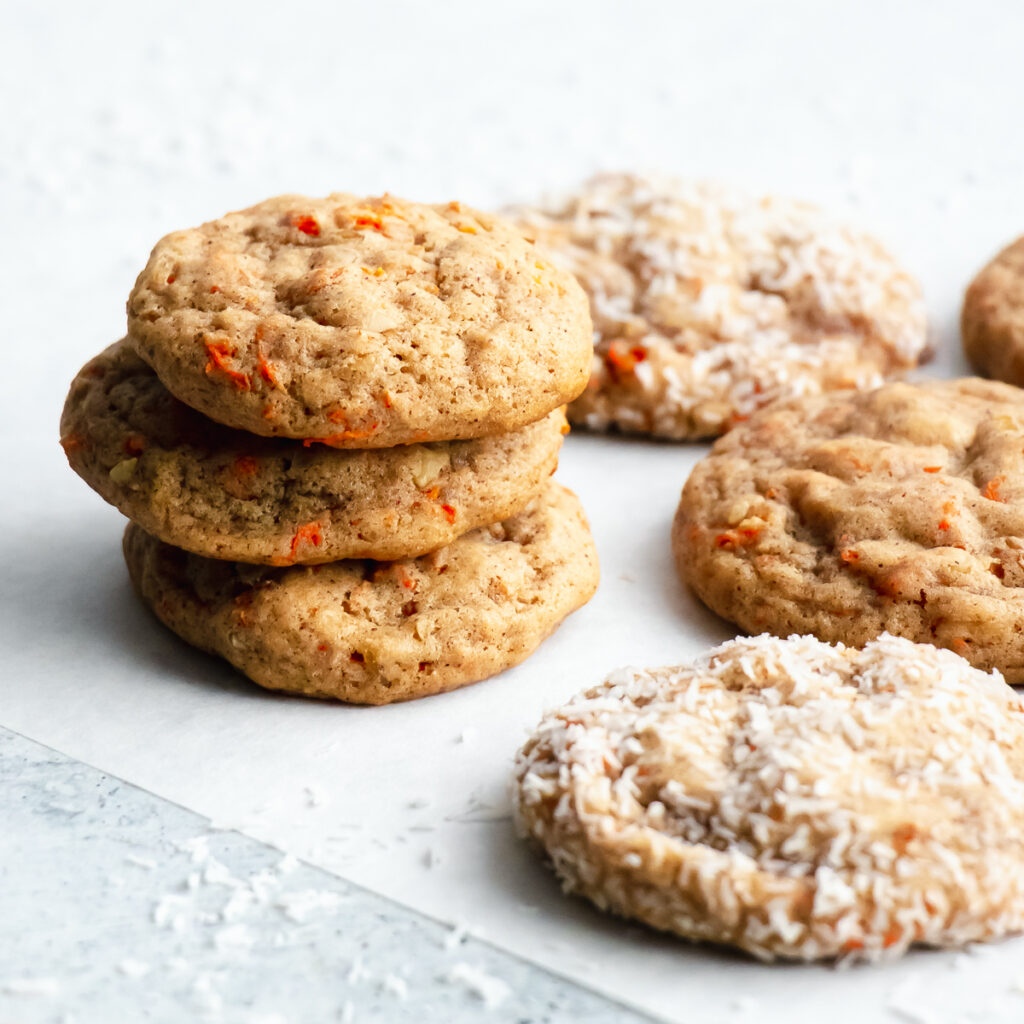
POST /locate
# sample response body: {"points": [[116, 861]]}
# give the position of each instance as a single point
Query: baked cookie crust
{"points": [[375, 633], [225, 493], [708, 305], [992, 321], [790, 798], [363, 323], [899, 509]]}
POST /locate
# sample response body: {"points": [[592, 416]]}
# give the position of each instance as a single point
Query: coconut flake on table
{"points": [[490, 990]]}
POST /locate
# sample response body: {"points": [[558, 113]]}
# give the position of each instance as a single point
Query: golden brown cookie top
{"points": [[708, 304], [791, 798], [992, 321], [361, 322], [900, 508]]}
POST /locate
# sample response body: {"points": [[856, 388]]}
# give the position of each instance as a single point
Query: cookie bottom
{"points": [[379, 632]]}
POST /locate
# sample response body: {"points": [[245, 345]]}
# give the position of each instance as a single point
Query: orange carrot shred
{"points": [[266, 370], [992, 489], [621, 360], [344, 435], [449, 513], [932, 469], [309, 533], [740, 537], [219, 353], [307, 225], [72, 443]]}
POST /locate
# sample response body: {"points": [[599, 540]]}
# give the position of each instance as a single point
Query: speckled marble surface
{"points": [[119, 906]]}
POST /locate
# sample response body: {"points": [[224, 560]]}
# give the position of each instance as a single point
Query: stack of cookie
{"points": [[332, 424]]}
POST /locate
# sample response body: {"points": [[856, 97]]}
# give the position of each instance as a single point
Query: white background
{"points": [[123, 121]]}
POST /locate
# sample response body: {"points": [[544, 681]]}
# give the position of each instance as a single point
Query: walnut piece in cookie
{"points": [[992, 320], [847, 515], [790, 798], [361, 323], [708, 305]]}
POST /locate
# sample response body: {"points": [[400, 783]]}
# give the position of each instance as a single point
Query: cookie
{"points": [[899, 509], [362, 323], [708, 305], [374, 633], [790, 798], [992, 321], [226, 493]]}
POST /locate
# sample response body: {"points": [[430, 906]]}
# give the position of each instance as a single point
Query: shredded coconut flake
{"points": [[790, 797], [396, 986], [300, 906], [31, 986], [491, 991], [134, 968], [708, 304]]}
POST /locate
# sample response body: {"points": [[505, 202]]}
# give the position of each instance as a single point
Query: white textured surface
{"points": [[123, 121]]}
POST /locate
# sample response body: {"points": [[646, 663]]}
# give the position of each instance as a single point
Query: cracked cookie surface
{"points": [[363, 323], [708, 305], [790, 798], [992, 321], [899, 509], [378, 632], [226, 493]]}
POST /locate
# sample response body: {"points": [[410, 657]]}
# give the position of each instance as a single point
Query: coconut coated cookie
{"points": [[790, 798], [708, 305], [899, 509], [362, 323], [225, 493], [992, 321], [371, 632]]}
